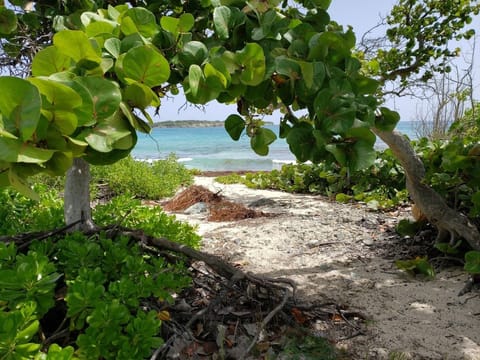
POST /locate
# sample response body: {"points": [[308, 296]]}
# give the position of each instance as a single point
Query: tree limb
{"points": [[430, 203]]}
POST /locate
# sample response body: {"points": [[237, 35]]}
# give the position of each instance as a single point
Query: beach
{"points": [[345, 253]]}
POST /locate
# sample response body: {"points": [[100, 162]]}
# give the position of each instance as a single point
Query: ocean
{"points": [[212, 149]]}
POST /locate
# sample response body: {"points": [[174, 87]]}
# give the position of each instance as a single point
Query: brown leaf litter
{"points": [[219, 208]]}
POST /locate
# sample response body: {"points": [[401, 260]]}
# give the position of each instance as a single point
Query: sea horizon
{"points": [[212, 149]]}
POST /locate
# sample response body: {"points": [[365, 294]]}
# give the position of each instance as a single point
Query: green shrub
{"points": [[20, 214], [143, 180], [380, 186], [113, 289]]}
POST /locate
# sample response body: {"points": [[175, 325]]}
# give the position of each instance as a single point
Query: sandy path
{"points": [[344, 253]]}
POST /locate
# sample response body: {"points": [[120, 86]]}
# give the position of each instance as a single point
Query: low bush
{"points": [[79, 297], [141, 179]]}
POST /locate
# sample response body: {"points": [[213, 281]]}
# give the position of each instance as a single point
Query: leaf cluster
{"points": [[143, 180], [105, 294], [380, 186]]}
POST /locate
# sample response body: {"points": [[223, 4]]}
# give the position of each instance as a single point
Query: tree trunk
{"points": [[449, 222], [77, 196]]}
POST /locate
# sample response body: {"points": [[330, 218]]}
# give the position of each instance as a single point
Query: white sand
{"points": [[335, 251]]}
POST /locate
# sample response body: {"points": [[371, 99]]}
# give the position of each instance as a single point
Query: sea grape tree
{"points": [[90, 90]]}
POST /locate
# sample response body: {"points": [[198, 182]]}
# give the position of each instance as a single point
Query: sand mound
{"points": [[219, 208]]}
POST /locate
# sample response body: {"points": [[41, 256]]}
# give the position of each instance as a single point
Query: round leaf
{"points": [[106, 96], [8, 21], [20, 105], [50, 61], [234, 125], [146, 65]]}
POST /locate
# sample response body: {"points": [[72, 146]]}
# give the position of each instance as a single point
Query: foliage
{"points": [[105, 281], [143, 180], [419, 265], [90, 88], [22, 214], [380, 186], [419, 33]]}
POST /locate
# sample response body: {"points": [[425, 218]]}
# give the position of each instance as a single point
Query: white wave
{"points": [[187, 159]]}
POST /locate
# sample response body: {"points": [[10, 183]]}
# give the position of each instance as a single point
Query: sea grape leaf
{"points": [[8, 21], [288, 67], [186, 22], [105, 94], [252, 60], [387, 120], [20, 105], [140, 96], [338, 151], [138, 19], [234, 125], [195, 79], [472, 262], [193, 52], [19, 184], [146, 65], [221, 19], [170, 24], [102, 137], [75, 43], [214, 78], [59, 163], [261, 140], [113, 46], [301, 141], [363, 155], [61, 102], [49, 61]]}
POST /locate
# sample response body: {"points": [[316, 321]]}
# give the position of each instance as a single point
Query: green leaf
{"points": [[472, 262], [406, 227], [104, 136], [363, 156], [419, 265], [20, 105], [339, 152], [75, 44], [288, 67], [50, 61], [19, 184], [146, 65], [387, 120], [113, 46], [261, 140], [221, 19], [234, 125], [60, 103], [186, 22], [252, 60], [105, 94], [313, 73], [8, 21], [140, 96], [193, 52], [301, 141], [143, 22], [170, 24]]}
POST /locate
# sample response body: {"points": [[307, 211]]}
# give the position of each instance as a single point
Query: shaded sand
{"points": [[345, 253]]}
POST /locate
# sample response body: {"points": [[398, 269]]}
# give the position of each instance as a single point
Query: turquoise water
{"points": [[211, 149]]}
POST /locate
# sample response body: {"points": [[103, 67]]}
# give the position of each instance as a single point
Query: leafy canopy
{"points": [[90, 89]]}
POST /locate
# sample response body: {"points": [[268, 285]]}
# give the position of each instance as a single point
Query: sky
{"points": [[361, 15]]}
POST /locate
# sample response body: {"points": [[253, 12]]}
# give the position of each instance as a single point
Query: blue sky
{"points": [[362, 15]]}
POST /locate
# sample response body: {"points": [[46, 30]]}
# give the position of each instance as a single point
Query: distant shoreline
{"points": [[188, 124], [192, 123]]}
